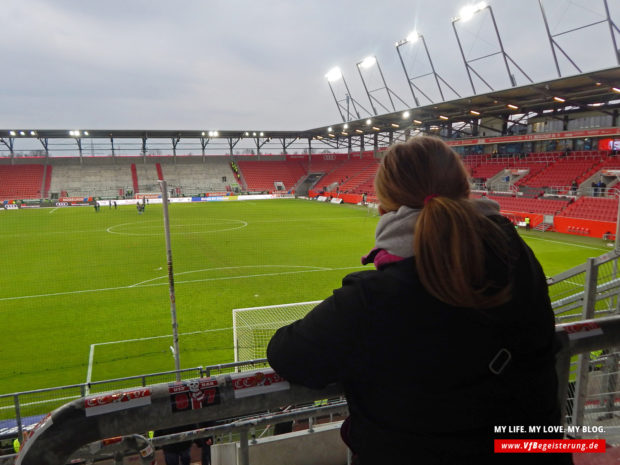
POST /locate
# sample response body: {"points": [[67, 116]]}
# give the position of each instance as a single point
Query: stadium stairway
{"points": [[134, 178]]}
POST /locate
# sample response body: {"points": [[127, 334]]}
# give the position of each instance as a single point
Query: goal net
{"points": [[253, 327]]}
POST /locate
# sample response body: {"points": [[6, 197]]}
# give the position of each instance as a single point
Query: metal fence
{"points": [[250, 393], [28, 407]]}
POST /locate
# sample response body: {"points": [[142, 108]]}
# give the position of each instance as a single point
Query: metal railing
{"points": [[133, 412], [20, 406]]}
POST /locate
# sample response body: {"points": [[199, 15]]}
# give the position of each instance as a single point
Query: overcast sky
{"points": [[237, 64]]}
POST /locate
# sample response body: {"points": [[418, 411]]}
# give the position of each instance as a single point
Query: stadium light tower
{"points": [[367, 64], [413, 39], [613, 29], [466, 14], [347, 103]]}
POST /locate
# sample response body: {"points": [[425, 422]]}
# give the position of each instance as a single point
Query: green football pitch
{"points": [[85, 294]]}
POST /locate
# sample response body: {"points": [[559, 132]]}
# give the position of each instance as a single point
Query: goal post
{"points": [[253, 327]]}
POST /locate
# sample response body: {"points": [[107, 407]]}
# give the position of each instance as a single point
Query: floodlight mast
{"points": [[612, 27], [332, 76], [369, 62], [411, 39], [466, 14]]}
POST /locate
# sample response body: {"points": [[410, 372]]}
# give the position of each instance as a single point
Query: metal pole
{"points": [[385, 85], [611, 30], [458, 40], [18, 418], [346, 86], [511, 78], [244, 451], [617, 242], [336, 100], [555, 58], [173, 306], [366, 89], [432, 67], [402, 62], [583, 360]]}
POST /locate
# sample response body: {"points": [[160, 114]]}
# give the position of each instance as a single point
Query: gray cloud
{"points": [[242, 64]]}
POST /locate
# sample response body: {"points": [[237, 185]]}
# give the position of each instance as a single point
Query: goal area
{"points": [[254, 326]]}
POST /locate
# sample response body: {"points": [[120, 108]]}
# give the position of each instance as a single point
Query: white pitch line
{"points": [[45, 401], [91, 356], [84, 291], [160, 337], [314, 268], [565, 243], [240, 225], [53, 210]]}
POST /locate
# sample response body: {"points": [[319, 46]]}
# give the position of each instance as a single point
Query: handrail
{"points": [[195, 401], [160, 406]]}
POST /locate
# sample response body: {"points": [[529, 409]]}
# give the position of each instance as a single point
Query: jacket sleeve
{"points": [[319, 349]]}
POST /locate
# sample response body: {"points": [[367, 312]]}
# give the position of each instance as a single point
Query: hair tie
{"points": [[428, 198]]}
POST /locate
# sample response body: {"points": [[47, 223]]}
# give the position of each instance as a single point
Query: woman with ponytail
{"points": [[448, 340]]}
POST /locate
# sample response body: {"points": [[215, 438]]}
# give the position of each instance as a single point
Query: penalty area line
{"points": [[91, 355]]}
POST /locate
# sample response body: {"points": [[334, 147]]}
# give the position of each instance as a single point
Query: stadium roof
{"points": [[592, 91]]}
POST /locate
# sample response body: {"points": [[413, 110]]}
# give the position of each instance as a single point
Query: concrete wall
{"points": [[321, 447]]}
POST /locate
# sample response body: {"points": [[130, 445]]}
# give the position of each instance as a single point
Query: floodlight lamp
{"points": [[330, 129], [333, 74], [616, 90], [262, 134], [359, 131], [394, 125], [22, 133], [512, 107], [33, 133], [559, 99], [86, 133], [12, 133], [445, 118], [413, 37], [246, 133], [368, 122], [474, 112], [468, 11], [368, 62], [203, 133], [406, 114], [254, 134], [417, 121], [345, 125]]}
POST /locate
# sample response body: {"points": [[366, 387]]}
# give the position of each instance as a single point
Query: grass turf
{"points": [[73, 278]]}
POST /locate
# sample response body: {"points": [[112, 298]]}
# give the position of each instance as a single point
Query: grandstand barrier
{"points": [[346, 198], [135, 411], [592, 228], [160, 406]]}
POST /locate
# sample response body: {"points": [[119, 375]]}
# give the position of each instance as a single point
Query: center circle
{"points": [[155, 228]]}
